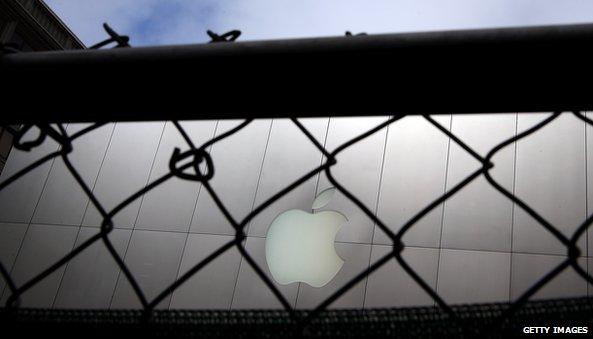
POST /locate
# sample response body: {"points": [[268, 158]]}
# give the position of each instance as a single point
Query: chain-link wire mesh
{"points": [[195, 164]]}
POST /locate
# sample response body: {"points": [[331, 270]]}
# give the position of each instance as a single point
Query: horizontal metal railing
{"points": [[490, 70]]}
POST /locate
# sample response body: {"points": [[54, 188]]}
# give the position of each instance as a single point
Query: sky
{"points": [[162, 22]]}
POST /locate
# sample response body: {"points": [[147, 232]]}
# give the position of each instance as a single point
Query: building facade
{"points": [[30, 25]]}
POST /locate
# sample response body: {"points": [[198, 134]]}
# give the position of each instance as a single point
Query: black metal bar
{"points": [[487, 71]]}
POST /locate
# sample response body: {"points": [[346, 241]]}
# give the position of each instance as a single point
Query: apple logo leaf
{"points": [[323, 198]]}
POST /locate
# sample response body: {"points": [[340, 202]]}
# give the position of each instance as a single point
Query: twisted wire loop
{"points": [[229, 36], [120, 40], [201, 168]]}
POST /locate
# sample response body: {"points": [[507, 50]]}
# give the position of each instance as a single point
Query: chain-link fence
{"points": [[194, 163]]}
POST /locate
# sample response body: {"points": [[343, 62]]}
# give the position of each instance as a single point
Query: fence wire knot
{"points": [[199, 156], [229, 36]]}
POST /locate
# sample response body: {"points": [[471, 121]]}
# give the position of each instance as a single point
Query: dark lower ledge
{"points": [[425, 322]]}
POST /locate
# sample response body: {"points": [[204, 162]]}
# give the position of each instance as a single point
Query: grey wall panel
{"points": [[473, 276], [18, 200], [11, 237], [63, 200], [589, 159], [238, 160], [392, 286], [289, 156], [551, 179], [153, 258], [212, 287], [413, 177], [479, 217], [125, 171], [170, 206], [90, 278], [529, 268], [251, 291], [43, 245], [356, 259], [358, 170]]}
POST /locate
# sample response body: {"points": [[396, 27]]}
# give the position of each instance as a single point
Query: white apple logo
{"points": [[300, 245]]}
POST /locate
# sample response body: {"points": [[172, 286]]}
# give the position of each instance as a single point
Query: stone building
{"points": [[30, 25]]}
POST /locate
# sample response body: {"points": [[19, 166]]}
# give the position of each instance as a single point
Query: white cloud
{"points": [[285, 18], [86, 17], [185, 21]]}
